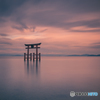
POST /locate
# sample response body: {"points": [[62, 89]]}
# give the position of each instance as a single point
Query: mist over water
{"points": [[50, 79]]}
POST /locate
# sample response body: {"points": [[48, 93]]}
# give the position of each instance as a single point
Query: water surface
{"points": [[50, 79]]}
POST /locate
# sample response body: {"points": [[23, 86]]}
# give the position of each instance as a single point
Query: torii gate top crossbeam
{"points": [[32, 44]]}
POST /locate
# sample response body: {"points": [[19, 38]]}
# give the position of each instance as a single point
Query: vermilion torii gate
{"points": [[32, 46]]}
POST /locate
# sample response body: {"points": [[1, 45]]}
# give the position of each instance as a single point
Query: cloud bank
{"points": [[63, 26]]}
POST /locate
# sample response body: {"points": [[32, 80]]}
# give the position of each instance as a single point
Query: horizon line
{"points": [[53, 55]]}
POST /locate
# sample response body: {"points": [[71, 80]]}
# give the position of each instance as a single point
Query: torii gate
{"points": [[32, 46]]}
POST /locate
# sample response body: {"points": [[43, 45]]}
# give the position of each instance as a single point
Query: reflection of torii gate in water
{"points": [[29, 56]]}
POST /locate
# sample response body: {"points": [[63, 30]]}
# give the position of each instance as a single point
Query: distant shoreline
{"points": [[98, 55]]}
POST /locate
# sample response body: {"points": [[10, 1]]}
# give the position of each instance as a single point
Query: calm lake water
{"points": [[50, 79]]}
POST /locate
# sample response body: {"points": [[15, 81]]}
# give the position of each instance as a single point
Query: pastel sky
{"points": [[62, 26]]}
